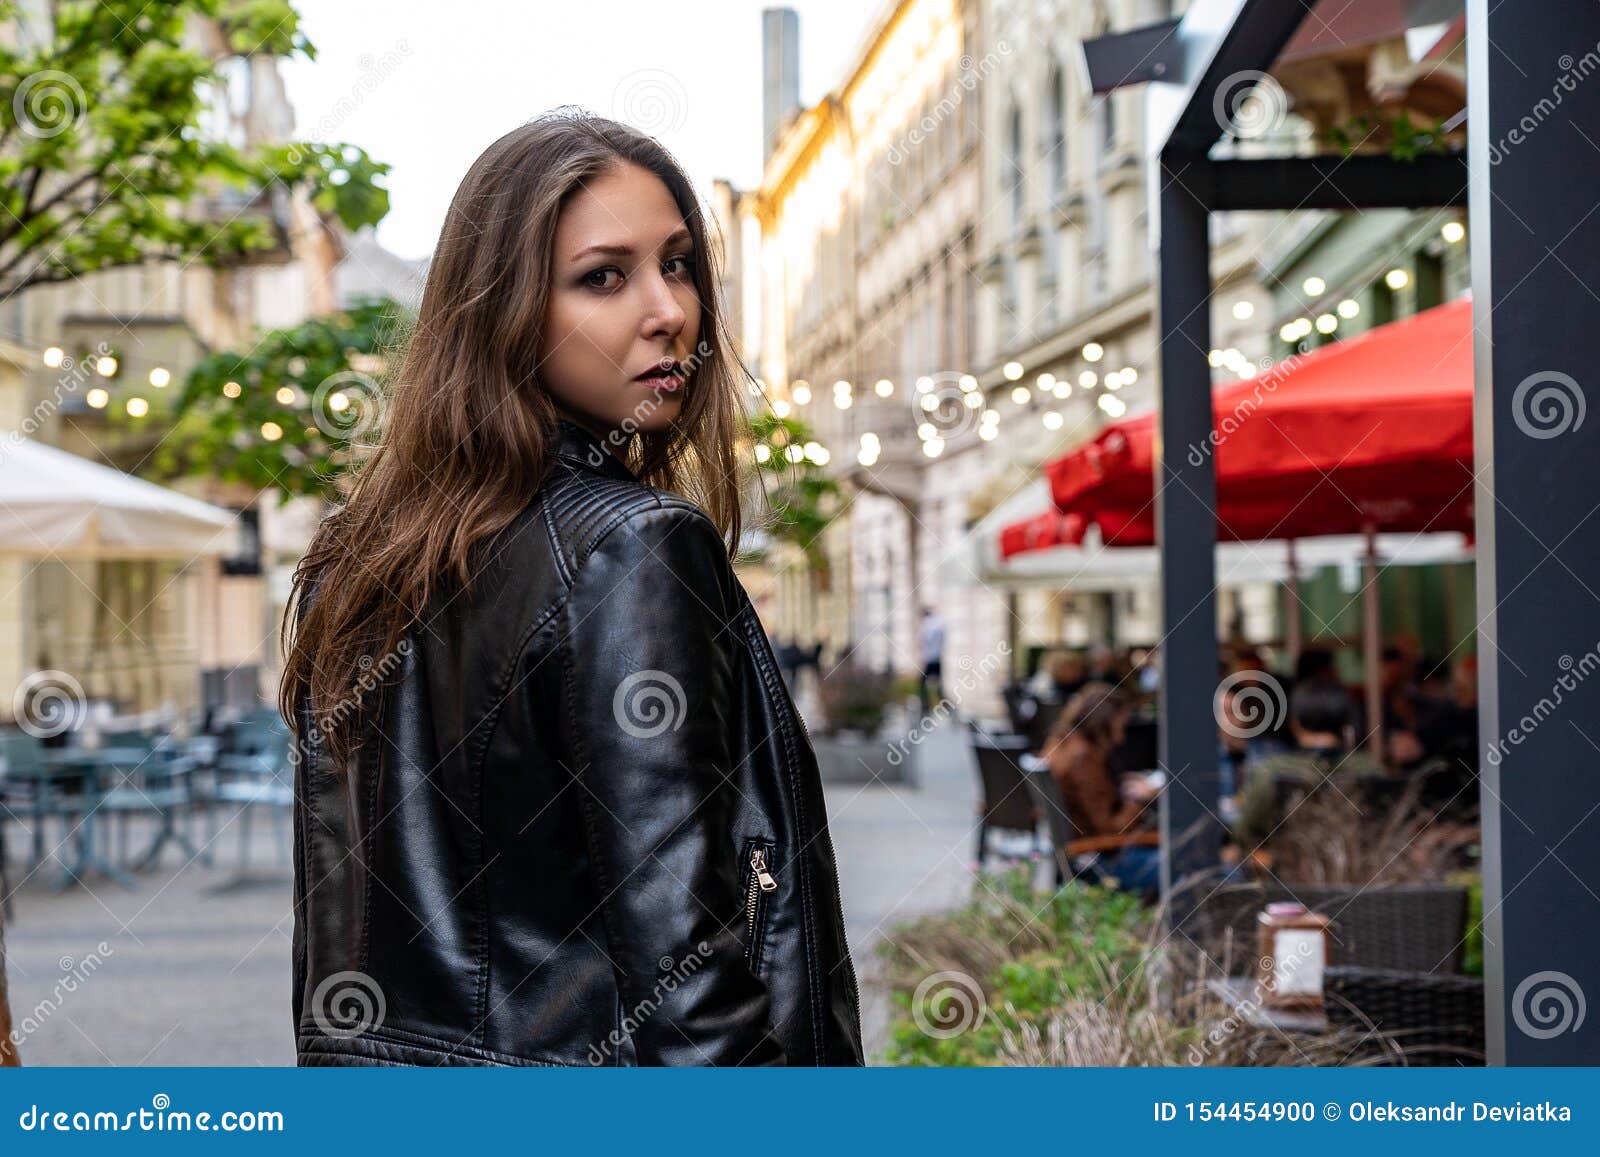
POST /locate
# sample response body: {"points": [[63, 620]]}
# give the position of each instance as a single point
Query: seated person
{"points": [[1079, 752], [1321, 723]]}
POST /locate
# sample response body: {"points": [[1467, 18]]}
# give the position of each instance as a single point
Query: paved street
{"points": [[198, 967]]}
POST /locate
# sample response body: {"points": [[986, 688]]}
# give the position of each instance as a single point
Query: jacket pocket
{"points": [[760, 882]]}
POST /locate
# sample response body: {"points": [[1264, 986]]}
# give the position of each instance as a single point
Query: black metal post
{"points": [[1534, 148], [1186, 527]]}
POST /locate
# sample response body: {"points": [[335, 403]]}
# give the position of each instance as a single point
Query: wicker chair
{"points": [[1411, 928], [1416, 1018]]}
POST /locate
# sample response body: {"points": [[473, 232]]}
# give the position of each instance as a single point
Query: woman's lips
{"points": [[666, 383]]}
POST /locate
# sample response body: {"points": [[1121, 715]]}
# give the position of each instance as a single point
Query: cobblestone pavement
{"points": [[195, 969]]}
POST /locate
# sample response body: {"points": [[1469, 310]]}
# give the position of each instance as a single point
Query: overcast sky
{"points": [[426, 85]]}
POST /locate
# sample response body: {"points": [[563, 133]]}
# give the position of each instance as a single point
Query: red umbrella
{"points": [[1043, 530], [1374, 432]]}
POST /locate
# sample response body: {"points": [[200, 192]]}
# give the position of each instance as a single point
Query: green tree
{"points": [[803, 499], [294, 411], [103, 161]]}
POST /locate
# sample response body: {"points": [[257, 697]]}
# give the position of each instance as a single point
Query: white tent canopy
{"points": [[56, 503], [1094, 567]]}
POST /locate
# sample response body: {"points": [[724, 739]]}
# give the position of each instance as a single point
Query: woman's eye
{"points": [[596, 280], [682, 262]]}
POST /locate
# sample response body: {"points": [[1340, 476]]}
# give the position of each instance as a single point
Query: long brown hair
{"points": [[467, 428]]}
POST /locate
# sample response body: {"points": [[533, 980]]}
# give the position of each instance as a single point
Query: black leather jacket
{"points": [[584, 824]]}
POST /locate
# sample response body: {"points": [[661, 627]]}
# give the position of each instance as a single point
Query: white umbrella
{"points": [[56, 503]]}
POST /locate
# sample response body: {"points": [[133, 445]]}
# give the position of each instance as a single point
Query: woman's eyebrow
{"points": [[677, 236]]}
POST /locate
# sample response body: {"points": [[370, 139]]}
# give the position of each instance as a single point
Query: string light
{"points": [[1093, 352], [160, 377], [1011, 371], [1314, 286], [54, 356], [137, 407]]}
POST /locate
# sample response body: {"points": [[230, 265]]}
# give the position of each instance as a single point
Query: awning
{"points": [[1373, 430], [53, 503], [1086, 562]]}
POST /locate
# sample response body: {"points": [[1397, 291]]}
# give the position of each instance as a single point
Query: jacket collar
{"points": [[580, 447]]}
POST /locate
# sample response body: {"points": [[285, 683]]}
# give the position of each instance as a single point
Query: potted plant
{"points": [[854, 699]]}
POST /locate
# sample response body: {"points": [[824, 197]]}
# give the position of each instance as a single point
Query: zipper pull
{"points": [[758, 864]]}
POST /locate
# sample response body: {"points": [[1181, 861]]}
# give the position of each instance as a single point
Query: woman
{"points": [[1079, 749], [554, 805]]}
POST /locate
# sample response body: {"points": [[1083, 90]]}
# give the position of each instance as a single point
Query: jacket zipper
{"points": [[768, 675], [761, 880]]}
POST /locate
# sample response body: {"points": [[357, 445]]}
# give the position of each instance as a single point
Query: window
{"points": [[1056, 128], [1014, 169]]}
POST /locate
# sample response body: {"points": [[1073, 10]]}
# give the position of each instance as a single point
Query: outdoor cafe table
{"points": [[94, 767]]}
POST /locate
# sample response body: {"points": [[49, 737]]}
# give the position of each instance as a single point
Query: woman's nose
{"points": [[663, 313]]}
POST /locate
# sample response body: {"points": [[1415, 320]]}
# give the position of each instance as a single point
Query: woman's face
{"points": [[623, 304]]}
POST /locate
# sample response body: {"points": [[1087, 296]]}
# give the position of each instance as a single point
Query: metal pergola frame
{"points": [[1535, 237]]}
